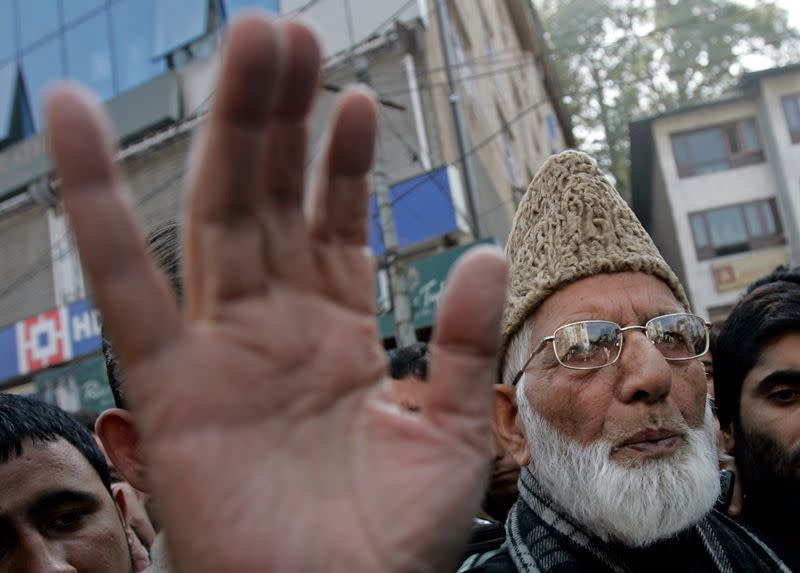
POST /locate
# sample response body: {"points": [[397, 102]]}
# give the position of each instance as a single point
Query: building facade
{"points": [[717, 185], [154, 63]]}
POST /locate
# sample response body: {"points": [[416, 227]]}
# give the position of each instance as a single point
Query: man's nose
{"points": [[646, 374], [39, 555]]}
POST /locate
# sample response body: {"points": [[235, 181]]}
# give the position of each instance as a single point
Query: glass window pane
{"points": [[768, 213], [132, 29], [41, 66], [680, 147], [88, 55], [234, 6], [752, 214], [707, 150], [8, 29], [792, 111], [178, 23], [37, 20], [727, 227], [74, 9], [750, 135], [699, 230]]}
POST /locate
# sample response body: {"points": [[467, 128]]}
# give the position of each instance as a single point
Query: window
{"points": [[234, 6], [40, 67], [717, 148], [37, 20], [76, 9], [8, 29], [178, 24], [736, 229], [89, 56], [791, 109], [132, 30]]}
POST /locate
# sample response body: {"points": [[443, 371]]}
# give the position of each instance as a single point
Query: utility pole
{"points": [[445, 31], [398, 285]]}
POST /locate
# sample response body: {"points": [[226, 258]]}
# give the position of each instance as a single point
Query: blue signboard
{"points": [[424, 206], [49, 338]]}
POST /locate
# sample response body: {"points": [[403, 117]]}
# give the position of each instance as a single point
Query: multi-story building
{"points": [[717, 185], [154, 63]]}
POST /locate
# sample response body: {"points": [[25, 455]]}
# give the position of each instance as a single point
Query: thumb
{"points": [[467, 337]]}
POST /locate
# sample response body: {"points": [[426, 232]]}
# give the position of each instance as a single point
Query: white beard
{"points": [[635, 503]]}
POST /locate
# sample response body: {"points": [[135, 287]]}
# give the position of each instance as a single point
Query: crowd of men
{"points": [[559, 420]]}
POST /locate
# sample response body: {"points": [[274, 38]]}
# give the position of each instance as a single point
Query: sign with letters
{"points": [[49, 338], [81, 385], [737, 273], [426, 279]]}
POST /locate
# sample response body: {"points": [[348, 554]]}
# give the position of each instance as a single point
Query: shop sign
{"points": [[426, 279], [78, 386], [49, 338], [738, 273]]}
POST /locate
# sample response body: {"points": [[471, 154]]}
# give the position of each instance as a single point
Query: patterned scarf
{"points": [[542, 539]]}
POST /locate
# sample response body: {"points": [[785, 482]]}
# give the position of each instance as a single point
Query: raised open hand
{"points": [[261, 404]]}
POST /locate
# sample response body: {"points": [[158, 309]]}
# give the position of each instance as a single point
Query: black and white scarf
{"points": [[541, 538]]}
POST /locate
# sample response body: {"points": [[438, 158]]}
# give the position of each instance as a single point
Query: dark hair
{"points": [[164, 246], [409, 360], [769, 308], [24, 418], [86, 419]]}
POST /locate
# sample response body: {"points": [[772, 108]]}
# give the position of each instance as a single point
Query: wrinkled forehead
{"points": [[43, 467], [625, 298]]}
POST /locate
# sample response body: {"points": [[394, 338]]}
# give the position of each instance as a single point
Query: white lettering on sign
{"points": [[85, 325], [428, 296]]}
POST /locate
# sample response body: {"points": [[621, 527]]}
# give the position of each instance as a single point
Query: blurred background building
{"points": [[154, 62], [717, 185]]}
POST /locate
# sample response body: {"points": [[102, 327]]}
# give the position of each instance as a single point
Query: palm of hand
{"points": [[267, 432]]}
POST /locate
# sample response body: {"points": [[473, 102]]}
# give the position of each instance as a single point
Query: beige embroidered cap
{"points": [[572, 224]]}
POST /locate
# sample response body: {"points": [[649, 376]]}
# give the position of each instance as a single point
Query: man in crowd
{"points": [[56, 508], [137, 519], [261, 404], [604, 396], [408, 367], [115, 426], [757, 379]]}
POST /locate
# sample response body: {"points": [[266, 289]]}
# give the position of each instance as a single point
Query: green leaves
{"points": [[621, 59]]}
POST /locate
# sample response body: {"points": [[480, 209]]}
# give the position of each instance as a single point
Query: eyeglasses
{"points": [[592, 344]]}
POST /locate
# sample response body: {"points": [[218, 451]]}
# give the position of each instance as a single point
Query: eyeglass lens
{"points": [[678, 336], [588, 344], [597, 343]]}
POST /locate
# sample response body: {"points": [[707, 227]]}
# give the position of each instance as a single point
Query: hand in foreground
{"points": [[269, 440]]}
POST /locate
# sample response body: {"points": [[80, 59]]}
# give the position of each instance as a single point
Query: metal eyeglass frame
{"points": [[622, 330]]}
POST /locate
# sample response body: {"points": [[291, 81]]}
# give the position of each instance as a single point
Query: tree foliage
{"points": [[620, 59]]}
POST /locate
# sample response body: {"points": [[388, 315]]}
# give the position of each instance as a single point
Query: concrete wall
{"points": [[663, 228], [26, 276], [788, 154], [499, 82]]}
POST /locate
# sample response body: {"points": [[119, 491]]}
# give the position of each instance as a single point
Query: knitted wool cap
{"points": [[572, 224]]}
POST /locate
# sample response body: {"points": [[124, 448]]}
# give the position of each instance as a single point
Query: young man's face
{"points": [[57, 516], [767, 437]]}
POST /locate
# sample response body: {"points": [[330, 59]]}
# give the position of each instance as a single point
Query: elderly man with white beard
{"points": [[603, 400]]}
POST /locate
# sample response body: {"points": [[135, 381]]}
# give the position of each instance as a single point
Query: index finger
{"points": [[131, 293]]}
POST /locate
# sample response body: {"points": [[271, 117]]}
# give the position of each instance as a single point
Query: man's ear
{"points": [[122, 505], [728, 438], [115, 429], [507, 426]]}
